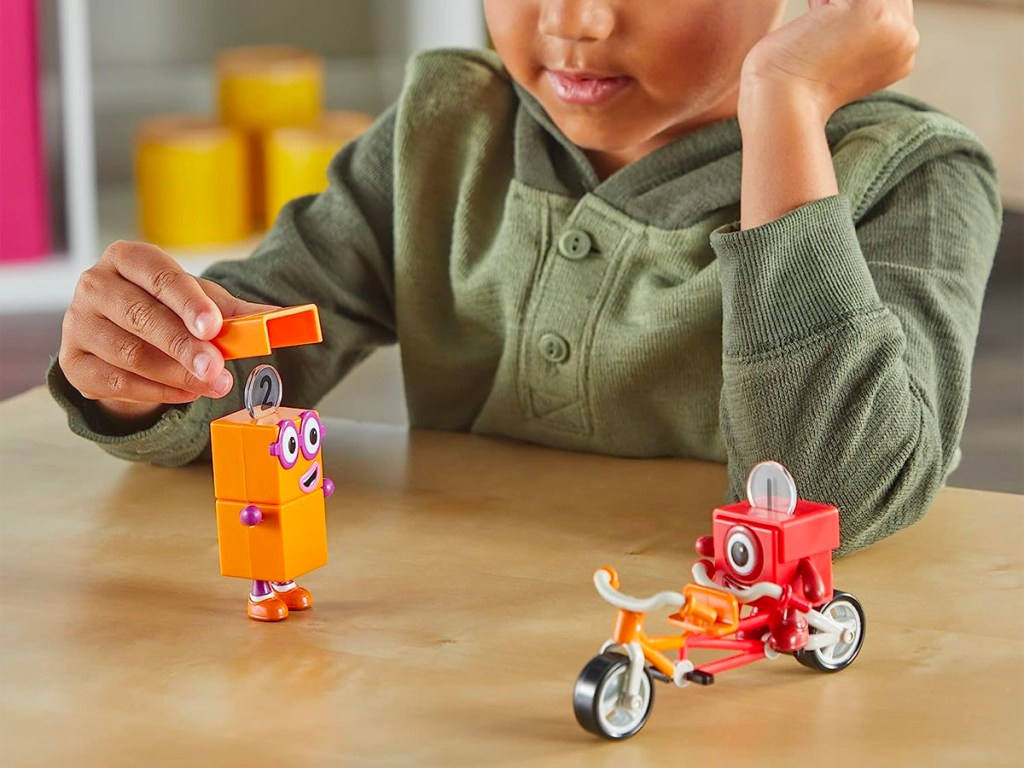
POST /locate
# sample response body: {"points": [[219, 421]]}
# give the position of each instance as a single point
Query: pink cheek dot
{"points": [[328, 488]]}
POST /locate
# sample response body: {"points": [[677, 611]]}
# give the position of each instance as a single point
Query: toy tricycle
{"points": [[767, 592]]}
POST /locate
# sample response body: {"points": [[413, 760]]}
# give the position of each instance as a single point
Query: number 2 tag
{"points": [[263, 391]]}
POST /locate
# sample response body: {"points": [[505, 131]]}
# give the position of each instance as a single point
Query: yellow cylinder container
{"points": [[192, 182], [261, 88], [296, 159], [269, 86]]}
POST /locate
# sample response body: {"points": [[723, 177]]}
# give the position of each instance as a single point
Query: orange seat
{"points": [[707, 611]]}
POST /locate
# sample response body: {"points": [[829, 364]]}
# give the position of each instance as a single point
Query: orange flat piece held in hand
{"points": [[259, 334]]}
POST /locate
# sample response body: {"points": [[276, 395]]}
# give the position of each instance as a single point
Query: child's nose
{"points": [[577, 20]]}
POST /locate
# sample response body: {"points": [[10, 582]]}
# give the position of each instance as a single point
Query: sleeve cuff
{"points": [[792, 277], [178, 438]]}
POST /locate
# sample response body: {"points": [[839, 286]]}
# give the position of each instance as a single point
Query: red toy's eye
{"points": [[742, 551], [311, 432], [287, 446]]}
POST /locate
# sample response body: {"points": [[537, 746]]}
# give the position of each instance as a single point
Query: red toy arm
{"points": [[814, 585], [705, 546]]}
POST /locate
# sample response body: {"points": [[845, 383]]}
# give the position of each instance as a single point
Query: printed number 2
{"points": [[267, 386]]}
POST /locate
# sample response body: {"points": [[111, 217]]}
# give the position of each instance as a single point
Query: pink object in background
{"points": [[24, 219]]}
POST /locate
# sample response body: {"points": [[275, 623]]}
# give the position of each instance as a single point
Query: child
{"points": [[551, 235]]}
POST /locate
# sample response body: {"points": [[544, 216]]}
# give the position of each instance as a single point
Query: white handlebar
{"points": [[603, 582], [748, 595]]}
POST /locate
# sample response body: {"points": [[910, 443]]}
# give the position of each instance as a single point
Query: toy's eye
{"points": [[742, 551], [312, 432], [287, 446]]}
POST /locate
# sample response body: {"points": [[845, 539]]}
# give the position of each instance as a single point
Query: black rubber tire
{"points": [[587, 695], [813, 660]]}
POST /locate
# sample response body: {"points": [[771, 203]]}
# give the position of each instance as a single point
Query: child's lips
{"points": [[586, 89]]}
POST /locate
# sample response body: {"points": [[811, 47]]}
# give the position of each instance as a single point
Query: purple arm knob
{"points": [[251, 516], [328, 487]]}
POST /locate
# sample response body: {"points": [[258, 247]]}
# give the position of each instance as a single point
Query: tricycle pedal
{"points": [[699, 677]]}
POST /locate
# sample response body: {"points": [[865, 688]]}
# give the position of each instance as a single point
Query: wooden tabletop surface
{"points": [[455, 614]]}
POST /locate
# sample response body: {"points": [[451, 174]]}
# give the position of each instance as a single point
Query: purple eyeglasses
{"points": [[291, 441]]}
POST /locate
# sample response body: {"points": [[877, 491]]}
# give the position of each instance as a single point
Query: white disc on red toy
{"points": [[771, 487]]}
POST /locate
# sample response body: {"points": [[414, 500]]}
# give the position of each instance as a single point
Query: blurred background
{"points": [[100, 68]]}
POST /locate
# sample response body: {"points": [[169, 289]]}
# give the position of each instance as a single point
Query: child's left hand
{"points": [[835, 53]]}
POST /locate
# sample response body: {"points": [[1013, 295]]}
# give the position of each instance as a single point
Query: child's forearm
{"points": [[333, 250], [794, 78], [786, 158]]}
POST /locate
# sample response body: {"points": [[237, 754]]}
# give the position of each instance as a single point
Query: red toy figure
{"points": [[763, 589], [774, 537]]}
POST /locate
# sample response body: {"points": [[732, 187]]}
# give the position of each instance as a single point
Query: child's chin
{"points": [[594, 136]]}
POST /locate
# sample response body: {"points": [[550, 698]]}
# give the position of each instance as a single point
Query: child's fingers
{"points": [[97, 379], [157, 273], [126, 351], [144, 317], [231, 306]]}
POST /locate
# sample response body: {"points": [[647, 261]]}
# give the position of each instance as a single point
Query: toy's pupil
{"points": [[312, 437], [291, 445], [740, 553]]}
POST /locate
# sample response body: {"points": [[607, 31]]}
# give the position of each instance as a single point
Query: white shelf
{"points": [[48, 286], [98, 217], [38, 287]]}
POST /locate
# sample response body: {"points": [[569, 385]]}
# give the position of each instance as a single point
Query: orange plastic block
{"points": [[291, 539], [243, 467], [259, 334]]}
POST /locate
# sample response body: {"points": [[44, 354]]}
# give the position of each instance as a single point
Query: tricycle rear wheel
{"points": [[847, 611]]}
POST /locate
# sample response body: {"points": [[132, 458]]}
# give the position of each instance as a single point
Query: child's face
{"points": [[621, 78]]}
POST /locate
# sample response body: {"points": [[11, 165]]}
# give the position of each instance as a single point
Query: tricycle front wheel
{"points": [[601, 703]]}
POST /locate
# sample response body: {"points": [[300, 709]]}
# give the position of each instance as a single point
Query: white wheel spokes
{"points": [[843, 614], [828, 654], [614, 708]]}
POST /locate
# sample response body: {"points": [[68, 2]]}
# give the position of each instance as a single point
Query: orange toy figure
{"points": [[268, 472]]}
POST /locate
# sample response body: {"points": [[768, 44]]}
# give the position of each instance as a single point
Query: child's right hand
{"points": [[136, 336]]}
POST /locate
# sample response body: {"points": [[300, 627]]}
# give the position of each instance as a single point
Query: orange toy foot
{"points": [[270, 609], [297, 598]]}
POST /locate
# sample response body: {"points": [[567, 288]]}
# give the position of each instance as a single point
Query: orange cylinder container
{"points": [[192, 182], [296, 159]]}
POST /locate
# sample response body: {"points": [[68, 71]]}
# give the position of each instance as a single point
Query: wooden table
{"points": [[455, 615]]}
